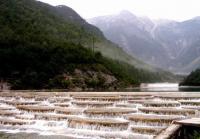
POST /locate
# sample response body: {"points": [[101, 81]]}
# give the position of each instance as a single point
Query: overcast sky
{"points": [[168, 9]]}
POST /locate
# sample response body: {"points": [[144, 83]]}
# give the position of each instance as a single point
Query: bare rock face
{"points": [[78, 72], [109, 79], [89, 80], [164, 43], [4, 86]]}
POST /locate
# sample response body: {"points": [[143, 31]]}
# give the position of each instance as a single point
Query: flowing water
{"points": [[140, 115]]}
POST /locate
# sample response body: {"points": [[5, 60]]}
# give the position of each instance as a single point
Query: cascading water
{"points": [[94, 115]]}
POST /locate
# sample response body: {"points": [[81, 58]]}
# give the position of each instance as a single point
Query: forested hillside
{"points": [[42, 46], [193, 79]]}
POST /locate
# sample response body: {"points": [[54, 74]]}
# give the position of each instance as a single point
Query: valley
{"points": [[52, 47], [110, 77], [168, 44]]}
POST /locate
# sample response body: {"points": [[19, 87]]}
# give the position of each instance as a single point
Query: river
{"points": [[164, 87]]}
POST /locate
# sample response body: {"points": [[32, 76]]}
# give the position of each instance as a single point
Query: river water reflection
{"points": [[165, 87]]}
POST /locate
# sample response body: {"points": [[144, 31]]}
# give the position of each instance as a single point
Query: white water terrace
{"points": [[139, 115]]}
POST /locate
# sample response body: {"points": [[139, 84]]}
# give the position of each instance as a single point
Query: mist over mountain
{"points": [[163, 43]]}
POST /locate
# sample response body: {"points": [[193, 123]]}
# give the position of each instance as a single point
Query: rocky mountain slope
{"points": [[167, 44]]}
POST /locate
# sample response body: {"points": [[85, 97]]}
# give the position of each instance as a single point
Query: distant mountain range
{"points": [[102, 44], [44, 47], [171, 45]]}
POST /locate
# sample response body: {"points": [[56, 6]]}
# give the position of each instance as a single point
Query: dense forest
{"points": [[42, 46], [193, 79]]}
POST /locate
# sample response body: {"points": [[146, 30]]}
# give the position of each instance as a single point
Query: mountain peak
{"points": [[126, 13]]}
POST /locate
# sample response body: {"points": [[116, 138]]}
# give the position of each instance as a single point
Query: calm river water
{"points": [[165, 87]]}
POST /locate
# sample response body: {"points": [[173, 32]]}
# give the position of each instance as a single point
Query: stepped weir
{"points": [[127, 115]]}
